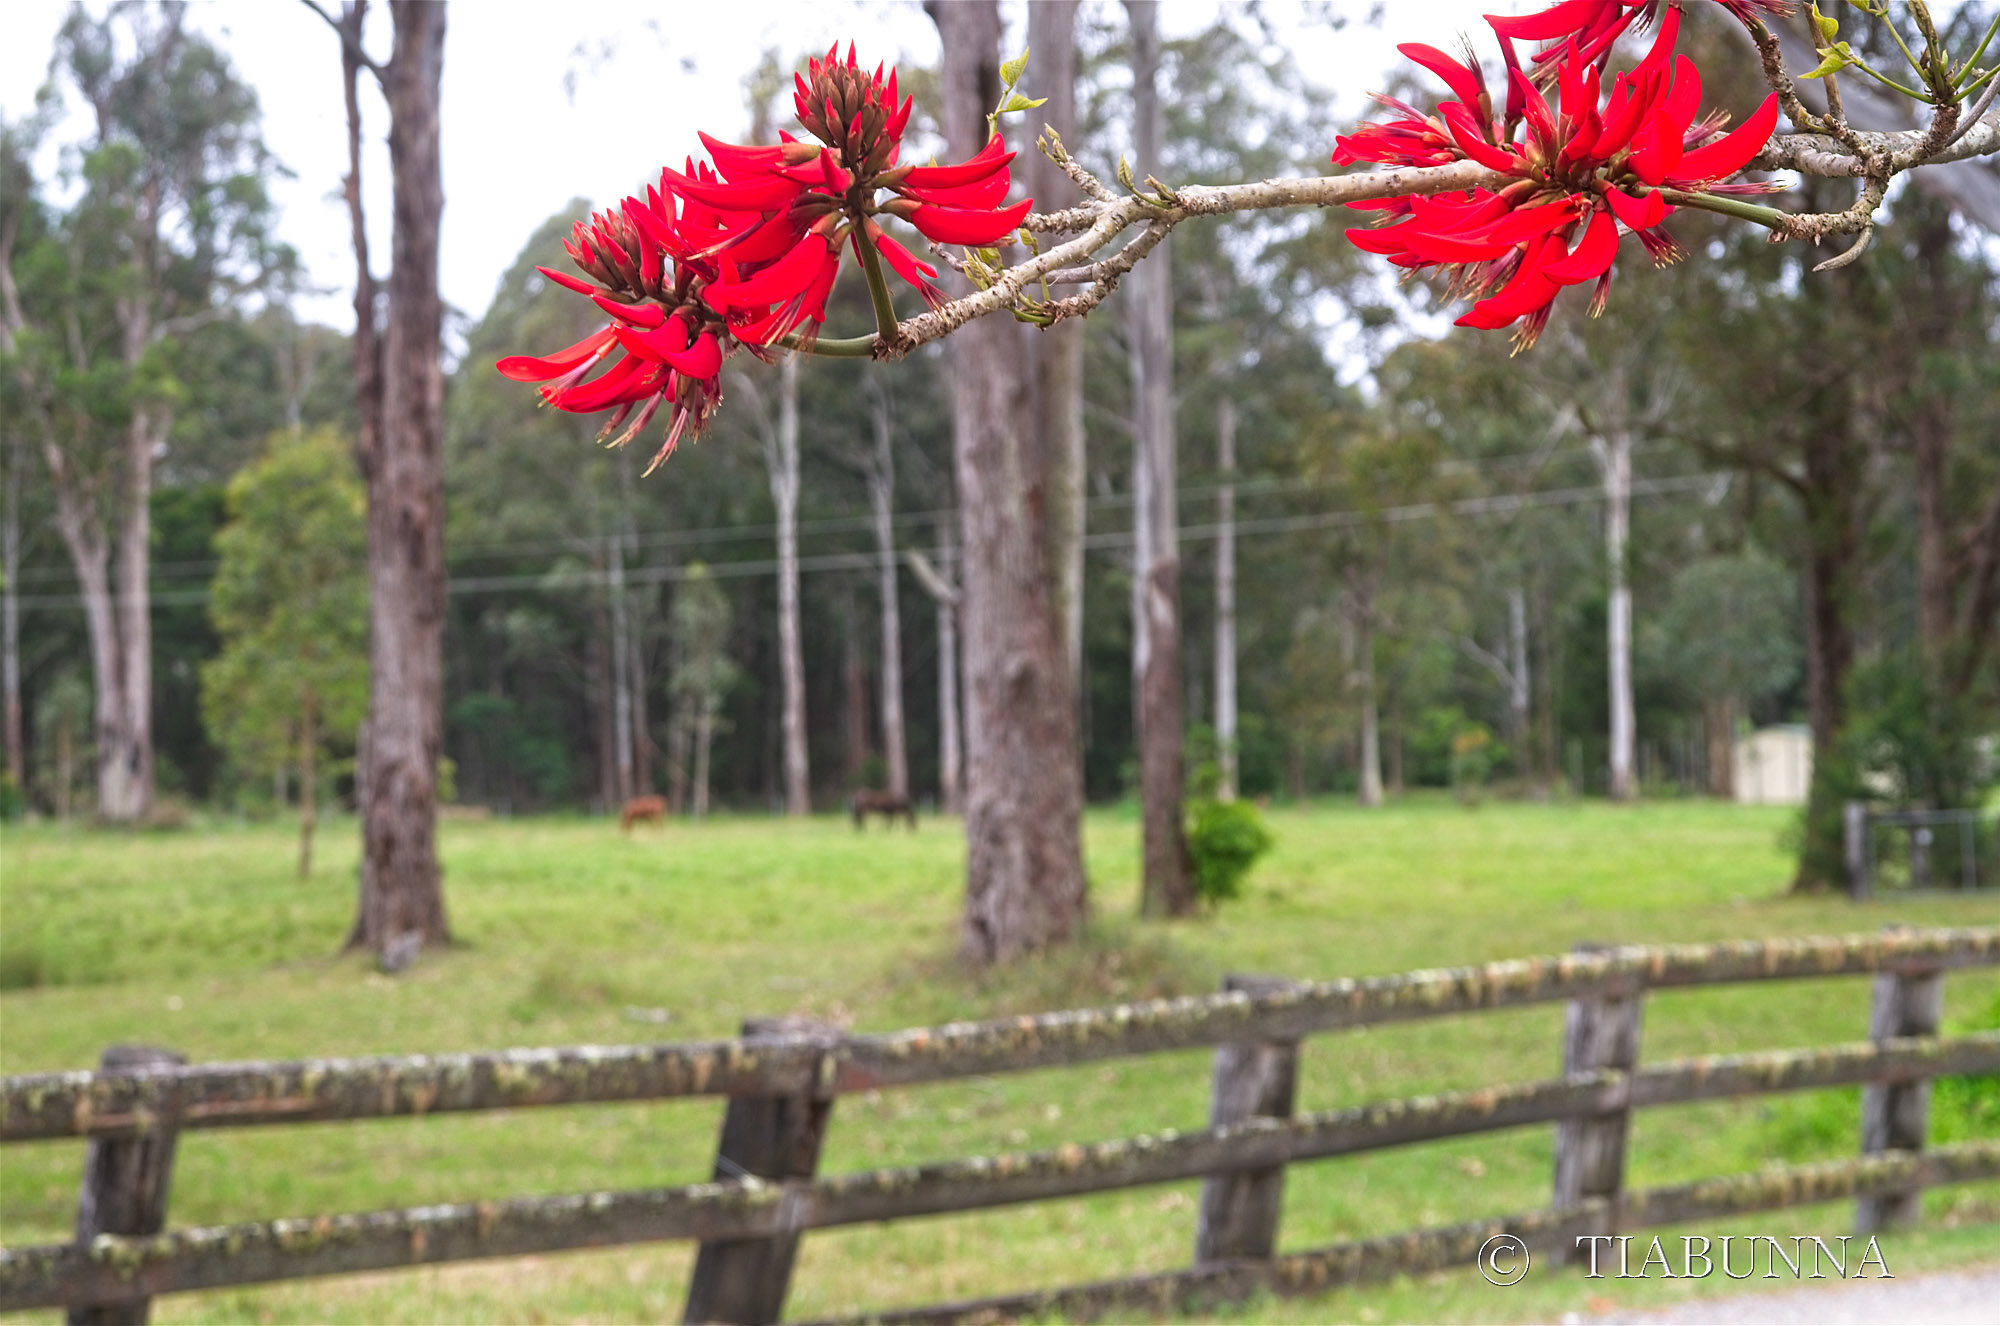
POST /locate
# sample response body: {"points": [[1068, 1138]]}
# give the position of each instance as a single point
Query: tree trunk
{"points": [[308, 792], [1167, 889], [10, 617], [854, 683], [1361, 588], [65, 766], [130, 756], [680, 725], [1225, 599], [951, 759], [1718, 722], [642, 732], [1024, 881], [781, 455], [402, 893], [1614, 463], [704, 738], [1059, 349], [881, 496], [1519, 687], [621, 670]]}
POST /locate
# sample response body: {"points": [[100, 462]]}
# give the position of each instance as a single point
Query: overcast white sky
{"points": [[544, 102]]}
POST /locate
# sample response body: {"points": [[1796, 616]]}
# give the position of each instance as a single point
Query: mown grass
{"points": [[205, 941]]}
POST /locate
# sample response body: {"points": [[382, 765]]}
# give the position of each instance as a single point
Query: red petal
{"points": [[906, 264], [980, 195], [1551, 24], [1656, 149], [669, 339], [736, 159], [568, 282], [751, 195], [526, 368], [1731, 152], [632, 315], [1388, 241], [622, 383], [1637, 213], [1528, 222], [1466, 133], [1466, 84], [990, 158], [1529, 290], [1592, 254], [783, 279], [703, 359], [952, 225]]}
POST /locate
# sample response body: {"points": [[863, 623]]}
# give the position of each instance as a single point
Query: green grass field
{"points": [[205, 941]]}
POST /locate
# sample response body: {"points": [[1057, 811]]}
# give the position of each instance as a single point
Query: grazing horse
{"points": [[642, 808], [868, 802]]}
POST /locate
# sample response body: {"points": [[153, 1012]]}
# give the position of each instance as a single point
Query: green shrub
{"points": [[1225, 838]]}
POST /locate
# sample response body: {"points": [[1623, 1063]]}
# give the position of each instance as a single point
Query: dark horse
{"points": [[868, 802]]}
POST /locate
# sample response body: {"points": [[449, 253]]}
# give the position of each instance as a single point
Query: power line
{"points": [[1110, 540], [702, 535]]}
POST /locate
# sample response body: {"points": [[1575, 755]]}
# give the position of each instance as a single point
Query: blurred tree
{"points": [[290, 604], [702, 622], [167, 235], [399, 395], [1726, 636]]}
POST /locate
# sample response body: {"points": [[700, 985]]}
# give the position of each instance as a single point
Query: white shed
{"points": [[1773, 766]]}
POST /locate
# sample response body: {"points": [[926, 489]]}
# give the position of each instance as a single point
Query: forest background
{"points": [[1420, 521]]}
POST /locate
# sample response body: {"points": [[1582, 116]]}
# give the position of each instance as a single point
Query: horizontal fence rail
{"points": [[1204, 1288], [113, 1269], [99, 1104], [782, 1078]]}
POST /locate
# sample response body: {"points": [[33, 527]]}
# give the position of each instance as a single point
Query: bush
{"points": [[11, 801], [1225, 839]]}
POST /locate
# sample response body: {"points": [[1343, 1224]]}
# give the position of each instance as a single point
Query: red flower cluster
{"points": [[1584, 170], [744, 251]]}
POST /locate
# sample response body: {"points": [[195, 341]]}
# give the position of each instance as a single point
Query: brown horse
{"points": [[869, 802], [642, 808]]}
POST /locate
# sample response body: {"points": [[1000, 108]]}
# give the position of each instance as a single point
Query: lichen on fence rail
{"points": [[79, 1104], [111, 1268], [1201, 1289]]}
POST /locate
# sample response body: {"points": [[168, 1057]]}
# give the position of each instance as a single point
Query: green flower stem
{"points": [[846, 347], [878, 286], [1768, 217]]}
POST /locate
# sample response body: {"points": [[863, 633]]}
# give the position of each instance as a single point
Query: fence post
{"points": [[125, 1181], [742, 1282], [1896, 1115], [1239, 1212], [1854, 824], [1599, 1031]]}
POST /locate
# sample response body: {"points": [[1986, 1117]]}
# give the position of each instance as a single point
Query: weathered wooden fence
{"points": [[782, 1079]]}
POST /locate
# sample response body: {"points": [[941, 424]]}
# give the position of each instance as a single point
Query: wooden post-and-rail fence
{"points": [[782, 1079]]}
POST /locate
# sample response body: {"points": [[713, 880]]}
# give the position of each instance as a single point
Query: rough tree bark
{"points": [[1718, 724], [1024, 880], [1166, 889], [951, 757], [621, 668], [399, 386], [1361, 596], [880, 472], [1059, 350], [854, 677], [1225, 599], [1613, 452], [781, 458], [10, 613]]}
